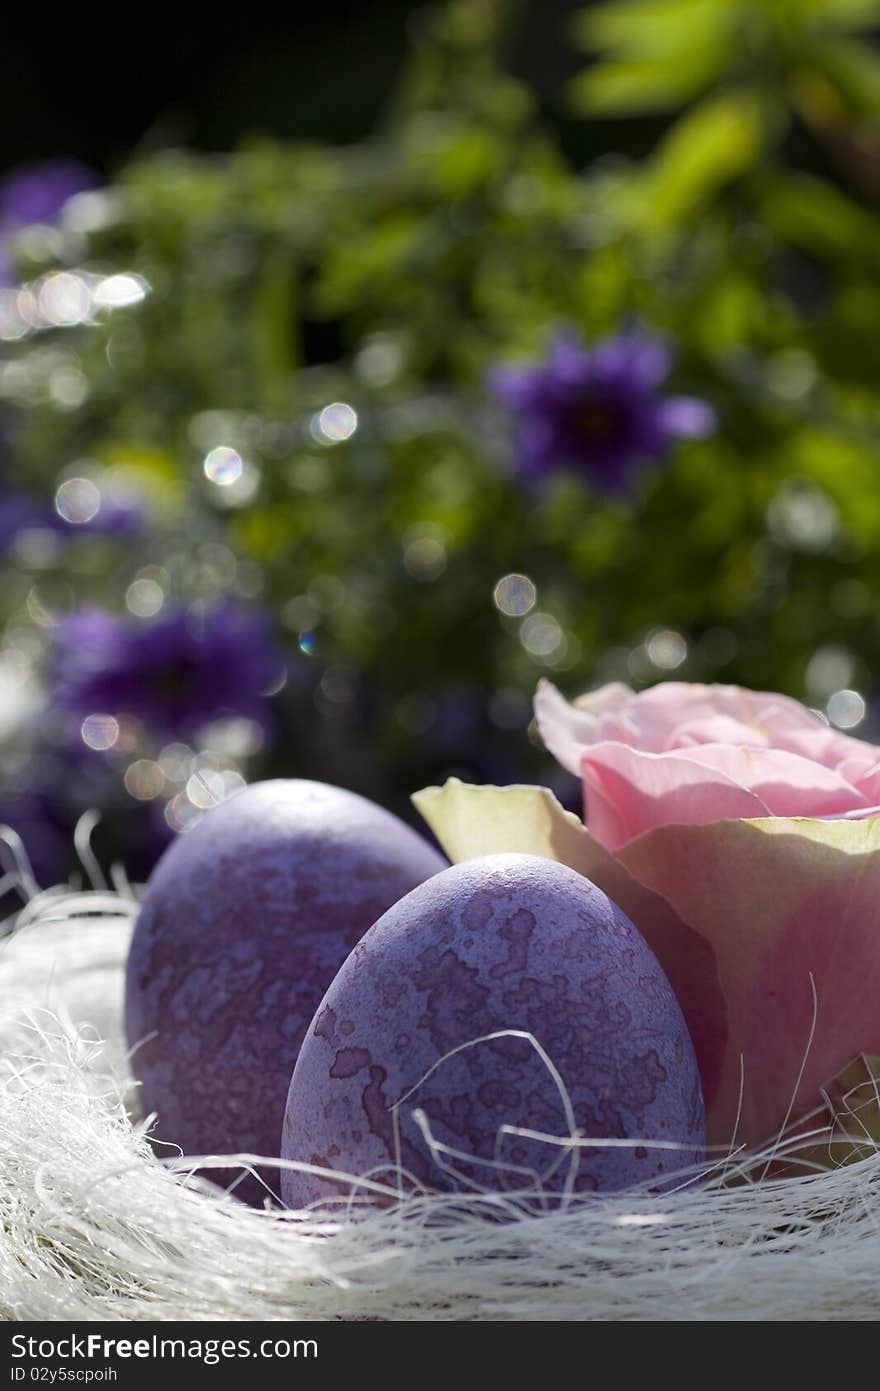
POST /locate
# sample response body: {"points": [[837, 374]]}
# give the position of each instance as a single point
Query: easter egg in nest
{"points": [[499, 1010], [244, 923]]}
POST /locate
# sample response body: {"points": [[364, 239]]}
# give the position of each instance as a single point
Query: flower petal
{"points": [[786, 906], [787, 784], [686, 417], [716, 729], [565, 728], [636, 357], [628, 792]]}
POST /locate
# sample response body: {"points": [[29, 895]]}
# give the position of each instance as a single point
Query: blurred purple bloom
{"points": [[38, 192], [122, 515], [119, 514], [43, 797], [175, 672], [19, 511], [597, 412], [46, 827]]}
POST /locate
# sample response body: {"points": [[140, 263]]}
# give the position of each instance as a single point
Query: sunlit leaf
{"points": [[712, 144], [653, 28], [628, 88]]}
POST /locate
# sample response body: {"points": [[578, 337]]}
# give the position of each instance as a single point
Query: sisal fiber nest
{"points": [[96, 1224]]}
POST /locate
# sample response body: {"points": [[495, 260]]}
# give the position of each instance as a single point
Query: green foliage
{"points": [[391, 276]]}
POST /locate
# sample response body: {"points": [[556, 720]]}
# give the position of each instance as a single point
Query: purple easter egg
{"points": [[245, 921], [503, 943]]}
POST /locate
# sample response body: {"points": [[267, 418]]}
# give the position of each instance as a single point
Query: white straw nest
{"points": [[94, 1224]]}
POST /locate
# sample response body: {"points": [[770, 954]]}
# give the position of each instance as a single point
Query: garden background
{"points": [[356, 374]]}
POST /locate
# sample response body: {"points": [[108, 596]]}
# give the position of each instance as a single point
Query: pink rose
{"points": [[742, 836], [692, 754]]}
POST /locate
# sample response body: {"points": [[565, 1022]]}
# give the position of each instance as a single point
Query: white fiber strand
{"points": [[96, 1224]]}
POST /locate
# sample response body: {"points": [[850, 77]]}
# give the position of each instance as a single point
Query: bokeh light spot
{"points": [[802, 517], [99, 732], [205, 788], [180, 813], [176, 761], [541, 635], [144, 598], [68, 387], [63, 300], [424, 552], [223, 466], [667, 649], [846, 709], [828, 670], [515, 595], [78, 500], [144, 780], [334, 424], [119, 291]]}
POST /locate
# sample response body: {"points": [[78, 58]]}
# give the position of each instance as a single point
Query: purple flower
{"points": [[42, 799], [20, 511], [597, 412], [46, 829], [38, 192], [175, 672], [119, 515]]}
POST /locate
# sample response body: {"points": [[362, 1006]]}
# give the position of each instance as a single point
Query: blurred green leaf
{"points": [[853, 70], [629, 88], [715, 142], [843, 14], [654, 28], [659, 54], [809, 212], [389, 278]]}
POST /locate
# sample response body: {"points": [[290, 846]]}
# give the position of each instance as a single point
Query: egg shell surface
{"points": [[506, 942], [244, 923]]}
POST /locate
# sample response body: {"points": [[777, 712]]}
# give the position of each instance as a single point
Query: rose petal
{"points": [[778, 714], [627, 792], [611, 712], [608, 699], [674, 714], [786, 906], [677, 716], [833, 749], [716, 729], [567, 729], [787, 784]]}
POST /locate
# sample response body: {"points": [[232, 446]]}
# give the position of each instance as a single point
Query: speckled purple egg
{"points": [[245, 921], [504, 943]]}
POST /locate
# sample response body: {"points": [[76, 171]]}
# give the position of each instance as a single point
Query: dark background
{"points": [[99, 88]]}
